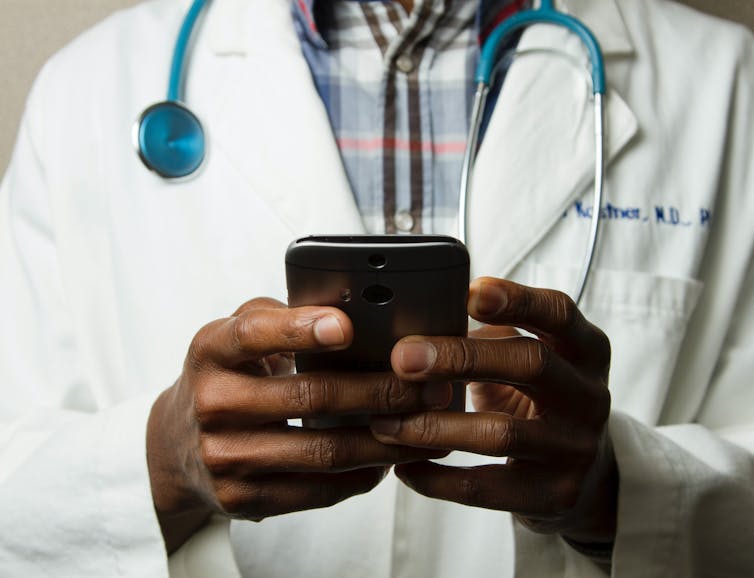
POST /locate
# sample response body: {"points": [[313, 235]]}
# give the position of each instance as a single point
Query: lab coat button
{"points": [[405, 63], [404, 221]]}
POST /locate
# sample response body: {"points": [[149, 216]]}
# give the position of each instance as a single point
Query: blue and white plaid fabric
{"points": [[398, 89]]}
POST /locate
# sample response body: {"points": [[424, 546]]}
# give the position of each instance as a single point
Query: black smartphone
{"points": [[390, 286]]}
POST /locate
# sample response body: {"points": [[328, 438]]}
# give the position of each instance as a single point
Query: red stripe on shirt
{"points": [[309, 20], [451, 147]]}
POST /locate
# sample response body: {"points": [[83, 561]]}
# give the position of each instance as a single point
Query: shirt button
{"points": [[405, 63], [404, 221]]}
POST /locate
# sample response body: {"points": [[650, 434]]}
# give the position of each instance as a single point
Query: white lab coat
{"points": [[106, 273]]}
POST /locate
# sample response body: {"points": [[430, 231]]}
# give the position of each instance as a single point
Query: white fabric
{"points": [[106, 272]]}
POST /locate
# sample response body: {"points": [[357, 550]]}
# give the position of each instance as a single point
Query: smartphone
{"points": [[390, 286]]}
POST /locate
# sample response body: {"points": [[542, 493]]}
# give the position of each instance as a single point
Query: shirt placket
{"points": [[404, 174]]}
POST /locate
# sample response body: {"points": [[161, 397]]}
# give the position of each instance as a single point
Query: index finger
{"points": [[258, 332], [551, 315]]}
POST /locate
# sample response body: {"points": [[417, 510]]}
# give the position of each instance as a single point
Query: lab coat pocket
{"points": [[645, 317]]}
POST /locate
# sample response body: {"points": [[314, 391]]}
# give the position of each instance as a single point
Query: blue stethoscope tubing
{"points": [[170, 139], [545, 14]]}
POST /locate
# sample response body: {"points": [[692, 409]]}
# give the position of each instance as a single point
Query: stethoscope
{"points": [[170, 139], [168, 136]]}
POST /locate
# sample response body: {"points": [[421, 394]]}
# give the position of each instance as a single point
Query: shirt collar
{"points": [[308, 23], [313, 20], [227, 30], [314, 17]]}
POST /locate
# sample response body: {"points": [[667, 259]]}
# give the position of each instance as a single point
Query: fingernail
{"points": [[435, 394], [327, 331], [489, 299], [385, 425], [416, 357]]}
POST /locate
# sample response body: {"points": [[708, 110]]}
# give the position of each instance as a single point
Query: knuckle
{"points": [[603, 349], [213, 455], [237, 501], [547, 499], [565, 494], [208, 408], [252, 329], [463, 358], [499, 435], [199, 350], [581, 444], [604, 401], [311, 394], [565, 313], [259, 303], [535, 359], [326, 452], [393, 394], [295, 330], [425, 428], [520, 300], [298, 394], [227, 498], [471, 490], [599, 408], [244, 329]]}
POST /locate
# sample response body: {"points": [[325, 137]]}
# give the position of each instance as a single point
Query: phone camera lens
{"points": [[345, 295], [377, 261], [378, 295]]}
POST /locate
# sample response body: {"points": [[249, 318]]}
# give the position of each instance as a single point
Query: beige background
{"points": [[31, 30]]}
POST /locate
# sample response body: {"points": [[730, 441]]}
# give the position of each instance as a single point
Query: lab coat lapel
{"points": [[538, 154], [271, 125], [270, 122]]}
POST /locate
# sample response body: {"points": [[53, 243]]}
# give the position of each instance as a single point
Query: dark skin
{"points": [[542, 403], [218, 441]]}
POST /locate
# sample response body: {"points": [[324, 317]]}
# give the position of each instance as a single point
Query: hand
{"points": [[218, 440], [543, 403]]}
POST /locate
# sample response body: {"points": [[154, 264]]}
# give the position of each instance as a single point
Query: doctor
{"points": [[108, 274]]}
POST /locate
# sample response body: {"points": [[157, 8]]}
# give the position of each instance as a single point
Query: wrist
{"points": [[180, 511], [596, 518], [178, 527]]}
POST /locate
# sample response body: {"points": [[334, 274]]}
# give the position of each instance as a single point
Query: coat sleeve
{"points": [[686, 497], [74, 488]]}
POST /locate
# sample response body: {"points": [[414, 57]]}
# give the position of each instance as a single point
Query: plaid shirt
{"points": [[398, 90]]}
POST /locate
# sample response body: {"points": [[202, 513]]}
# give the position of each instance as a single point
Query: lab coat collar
{"points": [[538, 154], [278, 140], [604, 19], [228, 34], [227, 27]]}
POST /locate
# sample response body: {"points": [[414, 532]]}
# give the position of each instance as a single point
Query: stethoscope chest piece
{"points": [[170, 140]]}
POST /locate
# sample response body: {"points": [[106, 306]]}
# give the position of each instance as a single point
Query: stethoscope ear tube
{"points": [[599, 191], [480, 98], [545, 14], [469, 158]]}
